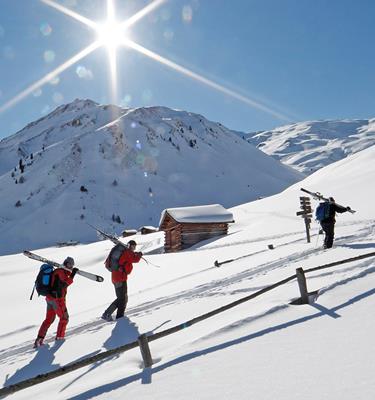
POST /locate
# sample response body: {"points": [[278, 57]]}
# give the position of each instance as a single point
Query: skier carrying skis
{"points": [[120, 268], [328, 223], [56, 305]]}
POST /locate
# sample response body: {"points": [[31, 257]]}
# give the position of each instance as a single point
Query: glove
{"points": [[140, 254], [348, 208], [74, 271]]}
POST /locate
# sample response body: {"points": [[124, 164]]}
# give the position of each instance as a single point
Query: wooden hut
{"points": [[128, 232], [145, 230], [186, 226]]}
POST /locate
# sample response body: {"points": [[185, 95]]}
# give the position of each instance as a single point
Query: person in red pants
{"points": [[56, 305]]}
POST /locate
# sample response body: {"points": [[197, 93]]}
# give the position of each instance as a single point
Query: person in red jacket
{"points": [[56, 305], [119, 280]]}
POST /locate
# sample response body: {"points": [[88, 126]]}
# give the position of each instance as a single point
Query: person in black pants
{"points": [[328, 224], [121, 269]]}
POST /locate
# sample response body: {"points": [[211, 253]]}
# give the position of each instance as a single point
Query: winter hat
{"points": [[69, 260], [132, 243]]}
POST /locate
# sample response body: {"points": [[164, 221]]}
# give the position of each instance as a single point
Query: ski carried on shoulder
{"points": [[115, 240], [112, 238], [55, 264], [320, 197]]}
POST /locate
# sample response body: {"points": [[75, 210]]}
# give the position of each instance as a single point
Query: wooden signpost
{"points": [[306, 214]]}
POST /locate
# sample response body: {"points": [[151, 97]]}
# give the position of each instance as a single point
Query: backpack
{"points": [[111, 263], [322, 212], [43, 280]]}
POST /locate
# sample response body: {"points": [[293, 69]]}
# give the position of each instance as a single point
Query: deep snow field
{"points": [[264, 348]]}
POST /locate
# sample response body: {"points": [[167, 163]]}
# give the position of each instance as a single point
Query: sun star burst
{"points": [[112, 34]]}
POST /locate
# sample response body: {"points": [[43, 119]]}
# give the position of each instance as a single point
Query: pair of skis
{"points": [[115, 240], [112, 238], [315, 195], [88, 275], [320, 197]]}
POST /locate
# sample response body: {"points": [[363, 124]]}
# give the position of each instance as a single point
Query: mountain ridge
{"points": [[310, 145], [119, 168]]}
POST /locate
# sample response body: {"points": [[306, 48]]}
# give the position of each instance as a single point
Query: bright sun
{"points": [[111, 34]]}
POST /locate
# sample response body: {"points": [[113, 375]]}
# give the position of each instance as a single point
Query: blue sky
{"points": [[275, 61]]}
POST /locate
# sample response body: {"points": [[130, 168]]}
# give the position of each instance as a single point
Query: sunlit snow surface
{"points": [[264, 349]]}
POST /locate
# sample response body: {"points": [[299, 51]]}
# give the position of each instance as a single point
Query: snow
{"points": [[311, 145], [263, 349], [199, 214], [132, 163]]}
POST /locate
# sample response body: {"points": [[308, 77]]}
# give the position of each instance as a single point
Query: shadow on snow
{"points": [[146, 375]]}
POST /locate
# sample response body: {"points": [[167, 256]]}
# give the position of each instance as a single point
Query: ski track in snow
{"points": [[240, 242], [219, 287], [264, 266], [248, 320]]}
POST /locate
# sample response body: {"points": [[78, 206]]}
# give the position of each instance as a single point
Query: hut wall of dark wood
{"points": [[172, 231], [180, 236], [194, 233], [145, 230], [127, 233]]}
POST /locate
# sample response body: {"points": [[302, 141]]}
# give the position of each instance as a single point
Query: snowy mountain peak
{"points": [[309, 146], [119, 168]]}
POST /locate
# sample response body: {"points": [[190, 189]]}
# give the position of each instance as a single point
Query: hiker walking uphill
{"points": [[55, 298], [120, 262], [325, 214]]}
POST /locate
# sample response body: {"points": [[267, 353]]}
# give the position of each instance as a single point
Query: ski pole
{"points": [[32, 293], [150, 263], [317, 238]]}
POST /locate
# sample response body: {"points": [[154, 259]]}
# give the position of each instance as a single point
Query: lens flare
{"points": [[187, 14], [57, 98], [45, 29], [49, 56], [54, 81], [37, 93], [84, 73]]}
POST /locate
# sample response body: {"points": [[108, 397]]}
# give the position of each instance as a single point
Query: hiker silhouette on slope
{"points": [[325, 214]]}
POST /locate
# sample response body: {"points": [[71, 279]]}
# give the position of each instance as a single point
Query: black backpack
{"points": [[323, 211], [43, 280], [111, 263]]}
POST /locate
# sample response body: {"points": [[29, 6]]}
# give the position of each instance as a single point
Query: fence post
{"points": [[302, 285], [145, 350]]}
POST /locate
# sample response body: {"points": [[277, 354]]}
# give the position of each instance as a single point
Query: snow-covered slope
{"points": [[102, 164], [264, 349], [308, 146]]}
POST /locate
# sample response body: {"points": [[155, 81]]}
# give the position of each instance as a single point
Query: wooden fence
{"points": [[143, 340]]}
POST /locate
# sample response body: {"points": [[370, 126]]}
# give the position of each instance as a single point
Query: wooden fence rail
{"points": [[65, 369], [143, 339], [346, 260]]}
